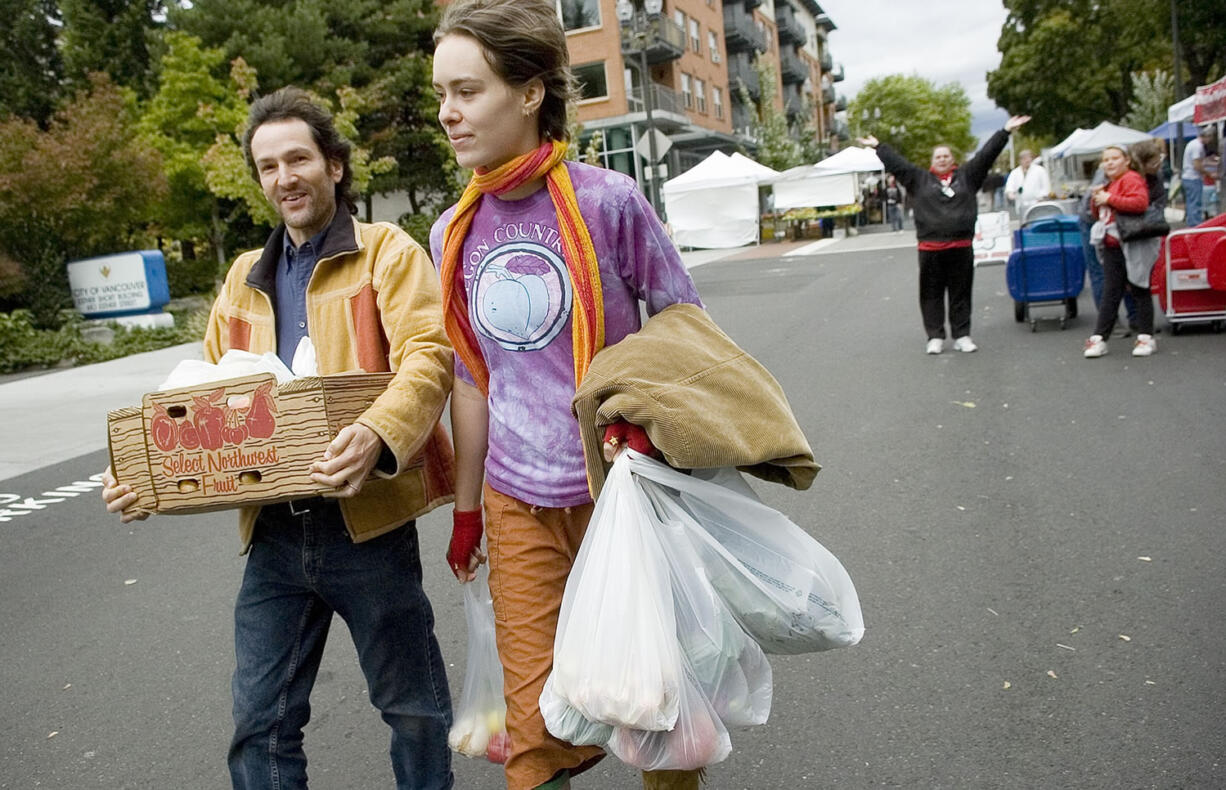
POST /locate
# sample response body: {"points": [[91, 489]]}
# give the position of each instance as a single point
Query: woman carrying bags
{"points": [[543, 263], [1125, 193]]}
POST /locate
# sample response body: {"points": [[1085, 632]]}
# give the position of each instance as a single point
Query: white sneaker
{"points": [[1095, 347], [935, 345], [965, 344], [1144, 346]]}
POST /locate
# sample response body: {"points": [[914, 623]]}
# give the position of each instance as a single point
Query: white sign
{"points": [[993, 238], [109, 284], [643, 146]]}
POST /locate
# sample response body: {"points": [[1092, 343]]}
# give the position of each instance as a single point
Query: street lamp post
{"points": [[636, 32]]}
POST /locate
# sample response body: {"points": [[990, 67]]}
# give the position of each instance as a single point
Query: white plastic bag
{"points": [[785, 589], [568, 724], [615, 658], [728, 666], [233, 364], [699, 738], [480, 728], [304, 362]]}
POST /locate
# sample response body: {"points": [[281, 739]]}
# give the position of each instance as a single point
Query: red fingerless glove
{"points": [[630, 435], [466, 529]]}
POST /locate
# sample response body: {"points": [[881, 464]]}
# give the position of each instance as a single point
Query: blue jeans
{"points": [[1094, 268], [301, 570], [894, 214], [1193, 191]]}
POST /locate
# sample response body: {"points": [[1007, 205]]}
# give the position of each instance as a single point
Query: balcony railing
{"points": [[662, 100], [664, 41], [828, 94], [741, 69], [827, 61], [836, 73], [841, 104], [740, 32], [791, 67], [793, 100], [789, 26]]}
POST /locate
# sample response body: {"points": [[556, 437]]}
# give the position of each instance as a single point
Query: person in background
{"points": [[994, 187], [1126, 191], [1087, 215], [543, 262], [893, 202], [1027, 184], [945, 209], [1192, 177], [1210, 169], [367, 296]]}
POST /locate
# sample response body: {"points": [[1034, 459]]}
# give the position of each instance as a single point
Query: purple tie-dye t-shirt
{"points": [[520, 305]]}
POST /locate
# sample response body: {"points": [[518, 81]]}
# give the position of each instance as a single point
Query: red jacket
{"points": [[1128, 194]]}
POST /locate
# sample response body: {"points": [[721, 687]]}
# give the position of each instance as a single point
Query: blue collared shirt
{"points": [[293, 274]]}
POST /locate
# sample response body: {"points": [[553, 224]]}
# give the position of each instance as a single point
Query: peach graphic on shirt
{"points": [[522, 296]]}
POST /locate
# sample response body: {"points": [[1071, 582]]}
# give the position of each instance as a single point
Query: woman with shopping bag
{"points": [[543, 263]]}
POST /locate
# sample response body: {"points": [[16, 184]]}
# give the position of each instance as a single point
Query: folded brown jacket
{"points": [[703, 401]]}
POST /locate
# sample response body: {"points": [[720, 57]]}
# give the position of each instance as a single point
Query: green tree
{"points": [[111, 36], [1068, 63], [1152, 93], [229, 176], [377, 48], [913, 115], [30, 66], [1202, 40], [83, 187], [804, 130], [777, 146], [183, 119]]}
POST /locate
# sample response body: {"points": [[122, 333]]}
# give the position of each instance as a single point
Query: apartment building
{"points": [[695, 54], [691, 55]]}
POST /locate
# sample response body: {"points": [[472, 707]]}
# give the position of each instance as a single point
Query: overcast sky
{"points": [[943, 41]]}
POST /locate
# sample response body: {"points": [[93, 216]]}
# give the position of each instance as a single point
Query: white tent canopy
{"points": [[830, 182], [851, 160], [1091, 141], [715, 203], [1182, 110], [808, 187]]}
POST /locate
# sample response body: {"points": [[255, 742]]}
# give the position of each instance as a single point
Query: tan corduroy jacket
{"points": [[374, 305], [703, 401]]}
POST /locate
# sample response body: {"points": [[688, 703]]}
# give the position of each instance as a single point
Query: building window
{"points": [[679, 18], [713, 46], [592, 81], [700, 93], [695, 37], [717, 102], [579, 14], [686, 93]]}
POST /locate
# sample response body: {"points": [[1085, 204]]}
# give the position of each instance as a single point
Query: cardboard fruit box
{"points": [[241, 441]]}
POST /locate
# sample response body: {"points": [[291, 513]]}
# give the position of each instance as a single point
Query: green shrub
{"points": [[418, 226], [190, 276], [23, 346]]}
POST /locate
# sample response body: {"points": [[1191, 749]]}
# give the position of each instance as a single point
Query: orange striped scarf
{"points": [[587, 327]]}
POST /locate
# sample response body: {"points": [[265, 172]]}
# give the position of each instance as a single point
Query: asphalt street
{"points": [[1036, 539]]}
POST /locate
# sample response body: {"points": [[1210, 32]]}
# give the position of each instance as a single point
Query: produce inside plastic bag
{"points": [[729, 666], [784, 588], [698, 739], [480, 728], [568, 724], [616, 659]]}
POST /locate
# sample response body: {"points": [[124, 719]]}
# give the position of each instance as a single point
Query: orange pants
{"points": [[531, 551]]}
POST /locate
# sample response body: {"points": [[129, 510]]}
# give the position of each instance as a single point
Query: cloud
{"points": [[957, 44]]}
